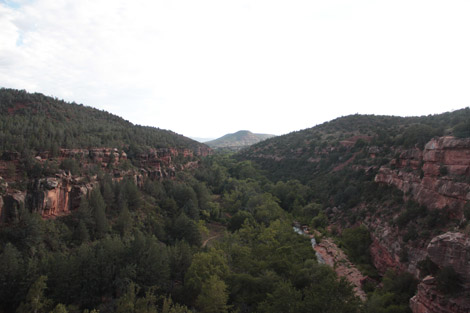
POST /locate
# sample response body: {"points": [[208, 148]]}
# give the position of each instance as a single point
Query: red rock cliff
{"points": [[450, 249], [440, 182], [56, 196]]}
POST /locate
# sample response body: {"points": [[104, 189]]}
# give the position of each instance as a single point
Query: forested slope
{"points": [[36, 122], [406, 180]]}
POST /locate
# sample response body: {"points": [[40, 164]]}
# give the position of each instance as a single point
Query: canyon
{"points": [[436, 177], [60, 194]]}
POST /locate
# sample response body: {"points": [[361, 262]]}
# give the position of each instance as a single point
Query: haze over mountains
{"points": [[238, 140]]}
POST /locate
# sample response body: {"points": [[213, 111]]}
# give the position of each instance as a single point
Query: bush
{"points": [[356, 242], [448, 281], [70, 165]]}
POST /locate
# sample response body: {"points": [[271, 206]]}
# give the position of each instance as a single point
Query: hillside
{"points": [[405, 180], [307, 153], [37, 123], [121, 218], [53, 152], [238, 140], [99, 215]]}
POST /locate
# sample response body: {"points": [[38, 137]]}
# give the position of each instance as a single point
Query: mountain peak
{"points": [[238, 140]]}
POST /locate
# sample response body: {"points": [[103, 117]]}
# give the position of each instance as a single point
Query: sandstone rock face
{"points": [[387, 248], [429, 300], [441, 181], [450, 249], [10, 205], [56, 196], [382, 259]]}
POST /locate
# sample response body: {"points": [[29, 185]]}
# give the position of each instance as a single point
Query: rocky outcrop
{"points": [[435, 177], [10, 205], [335, 257], [430, 300], [450, 249], [388, 250], [56, 196], [59, 195], [382, 258]]}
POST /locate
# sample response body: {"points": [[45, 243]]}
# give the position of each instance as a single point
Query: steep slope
{"points": [[238, 140], [406, 179]]}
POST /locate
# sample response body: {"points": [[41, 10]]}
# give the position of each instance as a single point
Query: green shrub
{"points": [[448, 280]]}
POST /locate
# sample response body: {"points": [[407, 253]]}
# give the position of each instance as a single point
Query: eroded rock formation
{"points": [[435, 177], [58, 195], [451, 249]]}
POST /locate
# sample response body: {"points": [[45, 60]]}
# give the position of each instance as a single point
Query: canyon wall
{"points": [[438, 178], [451, 249], [58, 195]]}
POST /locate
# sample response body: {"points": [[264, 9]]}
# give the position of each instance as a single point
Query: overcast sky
{"points": [[207, 68]]}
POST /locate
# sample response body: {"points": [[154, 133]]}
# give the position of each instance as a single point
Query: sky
{"points": [[209, 67]]}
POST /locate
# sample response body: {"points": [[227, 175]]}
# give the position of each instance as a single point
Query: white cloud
{"points": [[205, 68]]}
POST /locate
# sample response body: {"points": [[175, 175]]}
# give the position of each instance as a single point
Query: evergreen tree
{"points": [[124, 221], [35, 301], [213, 297], [98, 207]]}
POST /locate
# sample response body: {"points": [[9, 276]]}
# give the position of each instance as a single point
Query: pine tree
{"points": [[98, 207], [35, 301]]}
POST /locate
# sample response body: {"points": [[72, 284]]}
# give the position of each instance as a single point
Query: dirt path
{"points": [[216, 230], [209, 239]]}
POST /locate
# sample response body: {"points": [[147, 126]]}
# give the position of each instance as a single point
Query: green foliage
{"points": [[12, 277], [320, 221], [35, 301], [213, 296], [203, 267], [419, 135], [356, 242], [131, 303], [70, 165], [137, 250], [124, 221], [98, 206], [412, 212], [59, 308], [448, 280], [394, 296], [37, 122], [239, 219], [462, 129]]}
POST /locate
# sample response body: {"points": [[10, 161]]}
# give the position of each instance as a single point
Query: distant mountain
{"points": [[238, 140], [202, 140]]}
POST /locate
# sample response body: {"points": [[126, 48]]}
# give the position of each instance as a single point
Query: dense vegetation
{"points": [[139, 250], [148, 248], [34, 122], [319, 150]]}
